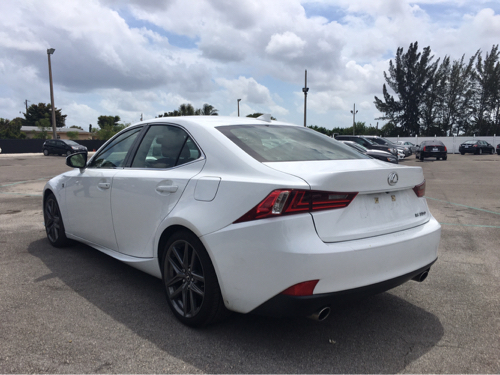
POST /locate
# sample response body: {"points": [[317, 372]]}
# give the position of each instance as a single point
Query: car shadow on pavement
{"points": [[381, 334]]}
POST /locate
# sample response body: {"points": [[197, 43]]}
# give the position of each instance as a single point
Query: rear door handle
{"points": [[166, 188], [104, 185]]}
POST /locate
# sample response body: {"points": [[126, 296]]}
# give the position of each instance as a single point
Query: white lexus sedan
{"points": [[246, 215]]}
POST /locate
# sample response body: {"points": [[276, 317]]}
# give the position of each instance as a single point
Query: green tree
{"points": [[207, 110], [108, 127], [410, 77], [187, 109], [258, 114], [11, 129], [486, 97], [72, 135], [454, 104], [39, 111], [75, 127], [44, 127]]}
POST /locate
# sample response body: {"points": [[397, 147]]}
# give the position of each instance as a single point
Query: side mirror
{"points": [[78, 160]]}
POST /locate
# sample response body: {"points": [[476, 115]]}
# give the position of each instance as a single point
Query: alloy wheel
{"points": [[185, 279], [52, 220]]}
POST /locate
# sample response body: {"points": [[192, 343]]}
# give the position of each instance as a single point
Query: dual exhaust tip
{"points": [[324, 312]]}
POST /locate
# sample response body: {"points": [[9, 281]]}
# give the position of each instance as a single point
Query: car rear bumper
{"points": [[434, 154], [287, 306], [468, 150], [256, 261]]}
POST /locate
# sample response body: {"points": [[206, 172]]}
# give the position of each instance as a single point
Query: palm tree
{"points": [[186, 109], [207, 110]]}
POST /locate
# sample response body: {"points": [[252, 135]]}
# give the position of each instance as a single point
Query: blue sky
{"points": [[129, 58]]}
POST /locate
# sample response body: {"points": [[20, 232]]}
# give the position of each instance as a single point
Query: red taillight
{"points": [[420, 190], [424, 148], [445, 149], [301, 289], [289, 201]]}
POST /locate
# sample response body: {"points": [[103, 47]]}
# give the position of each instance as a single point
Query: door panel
{"points": [[141, 199], [88, 206]]}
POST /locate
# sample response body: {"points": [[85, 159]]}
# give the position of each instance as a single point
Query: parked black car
{"points": [[62, 147], [431, 149], [377, 154], [498, 149], [382, 141], [477, 147], [367, 143]]}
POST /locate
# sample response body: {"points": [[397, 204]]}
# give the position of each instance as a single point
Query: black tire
{"points": [[437, 158], [68, 153], [54, 226], [445, 157], [46, 152], [462, 153], [492, 151], [190, 281], [421, 157]]}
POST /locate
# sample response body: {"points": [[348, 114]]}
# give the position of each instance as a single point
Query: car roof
{"points": [[211, 121]]}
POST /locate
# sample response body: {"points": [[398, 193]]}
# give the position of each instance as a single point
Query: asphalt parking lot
{"points": [[76, 310]]}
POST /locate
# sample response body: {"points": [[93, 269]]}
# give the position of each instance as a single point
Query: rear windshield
{"points": [[270, 143]]}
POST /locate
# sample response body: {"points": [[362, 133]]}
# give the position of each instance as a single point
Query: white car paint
{"points": [[386, 231]]}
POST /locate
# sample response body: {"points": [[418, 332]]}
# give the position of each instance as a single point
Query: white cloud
{"points": [[146, 56], [287, 44]]}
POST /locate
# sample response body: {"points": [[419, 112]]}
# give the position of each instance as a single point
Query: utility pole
{"points": [[50, 51], [26, 103], [238, 100], [354, 119], [305, 90]]}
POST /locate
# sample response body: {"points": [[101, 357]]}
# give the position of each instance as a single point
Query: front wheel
{"points": [[54, 225], [190, 282], [46, 152]]}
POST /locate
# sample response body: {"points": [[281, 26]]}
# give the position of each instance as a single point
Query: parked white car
{"points": [[246, 215]]}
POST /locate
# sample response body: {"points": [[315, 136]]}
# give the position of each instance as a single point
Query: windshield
{"points": [[270, 143], [71, 143]]}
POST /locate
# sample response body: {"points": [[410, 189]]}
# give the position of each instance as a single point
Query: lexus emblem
{"points": [[392, 179]]}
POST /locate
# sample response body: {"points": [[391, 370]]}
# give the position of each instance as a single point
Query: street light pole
{"points": [[239, 107], [50, 51], [354, 119], [305, 89]]}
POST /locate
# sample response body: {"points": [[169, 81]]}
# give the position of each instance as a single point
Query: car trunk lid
{"points": [[385, 203]]}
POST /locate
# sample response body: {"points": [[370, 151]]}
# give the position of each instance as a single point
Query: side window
{"points": [[165, 146], [113, 155]]}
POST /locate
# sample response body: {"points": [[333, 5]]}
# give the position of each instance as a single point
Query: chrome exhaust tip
{"points": [[321, 314], [421, 277]]}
